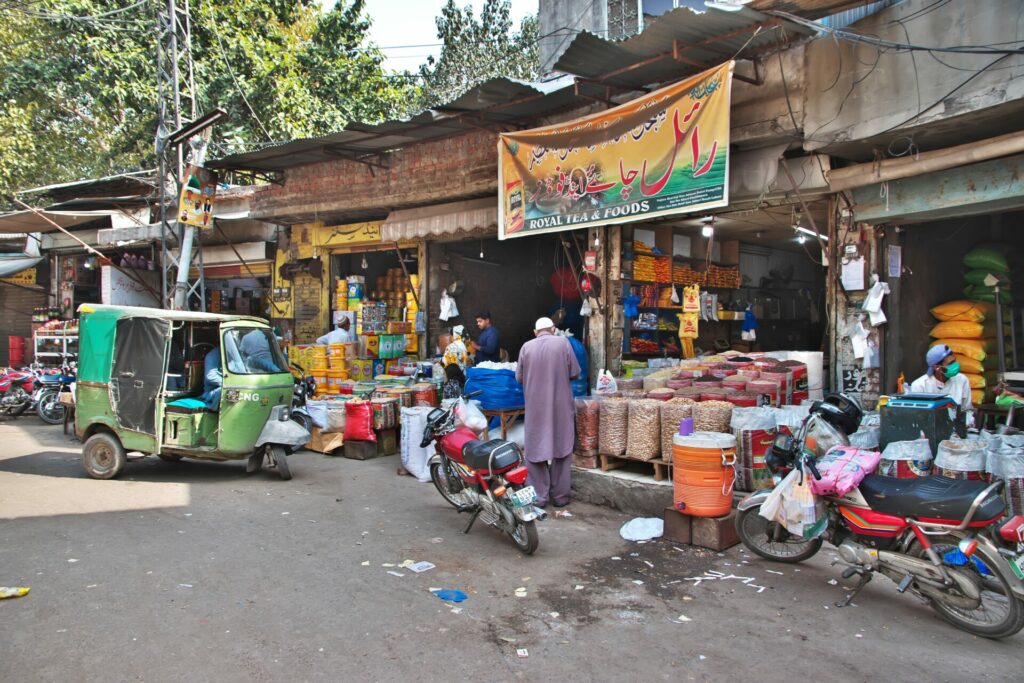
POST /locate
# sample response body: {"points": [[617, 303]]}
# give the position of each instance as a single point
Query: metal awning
{"points": [[492, 105], [30, 221], [457, 219], [678, 44]]}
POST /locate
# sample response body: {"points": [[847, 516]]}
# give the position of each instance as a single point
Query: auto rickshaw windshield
{"points": [[253, 352]]}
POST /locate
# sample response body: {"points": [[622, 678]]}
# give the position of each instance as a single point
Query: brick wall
{"points": [[439, 171]]}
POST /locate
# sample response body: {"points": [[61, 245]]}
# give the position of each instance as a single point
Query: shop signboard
{"points": [[197, 196], [118, 288], [662, 154], [348, 235], [25, 278]]}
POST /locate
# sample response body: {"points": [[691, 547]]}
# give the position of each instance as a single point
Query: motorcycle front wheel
{"points": [[771, 541], [49, 408], [1001, 613], [449, 486]]}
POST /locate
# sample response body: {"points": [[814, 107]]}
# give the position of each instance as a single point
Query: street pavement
{"points": [[195, 571]]}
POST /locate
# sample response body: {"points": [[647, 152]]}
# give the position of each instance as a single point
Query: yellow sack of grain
{"points": [[961, 309], [977, 396], [977, 381], [977, 349], [962, 329]]}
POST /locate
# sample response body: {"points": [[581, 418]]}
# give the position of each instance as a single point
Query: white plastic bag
{"points": [[470, 415], [606, 384], [795, 507], [448, 308], [643, 529]]}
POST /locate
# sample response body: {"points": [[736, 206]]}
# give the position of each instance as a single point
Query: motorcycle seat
{"points": [[934, 497], [478, 454]]}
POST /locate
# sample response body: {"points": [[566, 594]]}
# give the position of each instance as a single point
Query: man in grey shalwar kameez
{"points": [[546, 366]]}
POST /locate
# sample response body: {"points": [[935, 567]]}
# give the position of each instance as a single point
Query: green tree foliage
{"points": [[78, 94], [477, 49]]}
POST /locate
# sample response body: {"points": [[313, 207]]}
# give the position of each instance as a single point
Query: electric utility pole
{"points": [[176, 106]]}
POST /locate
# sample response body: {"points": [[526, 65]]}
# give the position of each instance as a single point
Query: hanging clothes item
{"points": [[448, 308]]}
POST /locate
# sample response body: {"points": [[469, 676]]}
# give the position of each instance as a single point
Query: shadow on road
{"points": [[139, 468]]}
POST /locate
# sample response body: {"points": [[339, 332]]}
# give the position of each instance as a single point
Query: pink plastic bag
{"points": [[842, 469]]}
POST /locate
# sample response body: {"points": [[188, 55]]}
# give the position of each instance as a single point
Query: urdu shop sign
{"points": [[662, 154]]}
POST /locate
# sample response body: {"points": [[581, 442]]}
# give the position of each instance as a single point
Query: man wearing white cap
{"points": [[546, 366]]}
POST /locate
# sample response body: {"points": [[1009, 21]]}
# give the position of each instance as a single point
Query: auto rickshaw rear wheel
{"points": [[280, 457], [103, 456], [169, 457]]}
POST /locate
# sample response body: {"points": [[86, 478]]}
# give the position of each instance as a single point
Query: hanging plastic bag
{"points": [[793, 505], [606, 384], [675, 295], [586, 310], [448, 308], [470, 415]]}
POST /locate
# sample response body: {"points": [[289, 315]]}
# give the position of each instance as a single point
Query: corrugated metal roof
{"points": [[811, 9], [677, 44], [497, 101]]}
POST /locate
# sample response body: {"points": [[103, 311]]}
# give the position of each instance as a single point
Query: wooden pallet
{"points": [[661, 468]]}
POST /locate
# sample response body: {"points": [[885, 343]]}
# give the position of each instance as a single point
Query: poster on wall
{"points": [[118, 288], [197, 196], [662, 154]]}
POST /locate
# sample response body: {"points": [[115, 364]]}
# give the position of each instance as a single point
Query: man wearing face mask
{"points": [[943, 377]]}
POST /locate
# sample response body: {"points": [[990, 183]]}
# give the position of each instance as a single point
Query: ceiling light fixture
{"points": [[709, 226], [808, 231], [364, 264]]}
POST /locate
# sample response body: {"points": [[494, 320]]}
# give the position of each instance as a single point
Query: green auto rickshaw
{"points": [[180, 384]]}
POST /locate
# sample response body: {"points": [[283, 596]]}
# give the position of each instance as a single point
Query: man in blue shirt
{"points": [[213, 379], [489, 342]]}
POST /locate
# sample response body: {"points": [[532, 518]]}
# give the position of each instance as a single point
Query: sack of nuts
{"points": [[644, 441], [612, 426], [673, 412], [587, 417], [712, 416]]}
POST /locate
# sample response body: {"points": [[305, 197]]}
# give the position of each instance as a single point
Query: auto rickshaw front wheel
{"points": [[280, 457], [103, 456]]}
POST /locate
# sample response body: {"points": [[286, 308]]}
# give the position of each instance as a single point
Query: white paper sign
{"points": [[853, 274]]}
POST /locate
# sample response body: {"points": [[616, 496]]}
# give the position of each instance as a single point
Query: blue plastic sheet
{"points": [[500, 388], [579, 386]]}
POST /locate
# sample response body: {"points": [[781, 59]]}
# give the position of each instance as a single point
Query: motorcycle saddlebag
{"points": [[496, 453]]}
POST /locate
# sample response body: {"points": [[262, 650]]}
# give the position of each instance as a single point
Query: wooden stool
{"points": [[988, 416]]}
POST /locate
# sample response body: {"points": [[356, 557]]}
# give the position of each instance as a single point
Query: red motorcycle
{"points": [[16, 388], [945, 540], [486, 479]]}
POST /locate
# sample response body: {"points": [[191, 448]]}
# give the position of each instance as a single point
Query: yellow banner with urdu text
{"points": [[662, 154]]}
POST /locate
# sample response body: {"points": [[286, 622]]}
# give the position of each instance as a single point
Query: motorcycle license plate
{"points": [[1017, 565], [524, 496]]}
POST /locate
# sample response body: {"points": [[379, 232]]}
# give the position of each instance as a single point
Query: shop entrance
{"points": [[766, 261], [516, 281], [933, 272]]}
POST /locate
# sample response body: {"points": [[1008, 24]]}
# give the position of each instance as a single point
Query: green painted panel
{"points": [[92, 406], [986, 187]]}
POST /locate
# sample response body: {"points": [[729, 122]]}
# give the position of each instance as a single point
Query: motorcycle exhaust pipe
{"points": [[541, 514]]}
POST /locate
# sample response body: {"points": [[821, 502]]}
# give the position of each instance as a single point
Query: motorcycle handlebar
{"points": [[814, 470], [474, 394]]}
